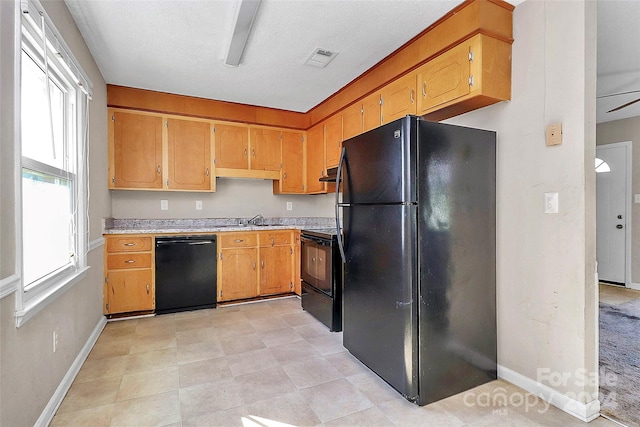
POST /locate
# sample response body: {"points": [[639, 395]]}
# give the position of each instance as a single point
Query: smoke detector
{"points": [[320, 58]]}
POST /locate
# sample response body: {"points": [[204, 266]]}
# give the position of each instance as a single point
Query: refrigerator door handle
{"points": [[338, 179]]}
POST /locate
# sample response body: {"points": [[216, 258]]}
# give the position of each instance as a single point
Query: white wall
{"points": [[619, 131], [234, 198], [547, 296], [29, 370]]}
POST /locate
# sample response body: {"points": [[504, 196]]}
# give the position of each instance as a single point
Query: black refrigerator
{"points": [[418, 217]]}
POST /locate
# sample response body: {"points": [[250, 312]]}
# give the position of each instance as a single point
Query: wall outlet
{"points": [[550, 202], [56, 340], [198, 205], [164, 205], [289, 206]]}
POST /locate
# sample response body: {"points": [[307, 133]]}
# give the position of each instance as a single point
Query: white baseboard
{"points": [[9, 285], [635, 286], [583, 411], [54, 403]]}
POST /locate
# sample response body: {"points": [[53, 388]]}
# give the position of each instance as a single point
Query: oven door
{"points": [[315, 268]]}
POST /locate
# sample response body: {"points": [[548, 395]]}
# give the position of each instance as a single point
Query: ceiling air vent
{"points": [[320, 58]]}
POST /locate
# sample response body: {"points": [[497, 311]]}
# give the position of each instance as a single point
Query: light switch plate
{"points": [[554, 134], [198, 205], [164, 205], [636, 198], [550, 202], [289, 206]]}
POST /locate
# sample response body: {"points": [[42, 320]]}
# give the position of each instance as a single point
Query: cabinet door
{"points": [[275, 270], [189, 155], [292, 163], [136, 151], [129, 290], [232, 146], [371, 112], [398, 98], [265, 149], [444, 78], [315, 159], [352, 121], [333, 140], [238, 274]]}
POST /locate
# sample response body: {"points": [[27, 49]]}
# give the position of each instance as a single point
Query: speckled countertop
{"points": [[209, 225]]}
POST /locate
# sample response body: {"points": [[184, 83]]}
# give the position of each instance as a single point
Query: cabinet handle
{"points": [[411, 96], [424, 89], [147, 288], [207, 172], [262, 264], [273, 241], [129, 244], [130, 261], [254, 266], [159, 172], [245, 152], [284, 176], [238, 241], [253, 152]]}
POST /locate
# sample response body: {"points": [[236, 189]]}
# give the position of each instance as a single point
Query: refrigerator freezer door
{"points": [[379, 165], [380, 292]]}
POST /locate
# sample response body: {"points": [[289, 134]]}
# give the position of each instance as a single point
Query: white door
{"points": [[611, 212]]}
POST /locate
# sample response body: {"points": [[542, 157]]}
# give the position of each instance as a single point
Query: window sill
{"points": [[36, 304]]}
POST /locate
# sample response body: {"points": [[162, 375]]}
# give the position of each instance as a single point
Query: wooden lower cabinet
{"points": [[129, 281], [238, 274], [276, 262], [129, 291], [254, 264]]}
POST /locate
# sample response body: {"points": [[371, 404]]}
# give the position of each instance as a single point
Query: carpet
{"points": [[620, 362]]}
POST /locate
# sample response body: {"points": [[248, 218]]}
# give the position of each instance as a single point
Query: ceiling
{"points": [[179, 46]]}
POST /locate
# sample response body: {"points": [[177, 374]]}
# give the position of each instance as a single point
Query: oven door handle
{"points": [[338, 178]]}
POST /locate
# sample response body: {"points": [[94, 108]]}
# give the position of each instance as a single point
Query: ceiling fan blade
{"points": [[624, 106]]}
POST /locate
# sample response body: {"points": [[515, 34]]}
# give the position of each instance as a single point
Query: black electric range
{"points": [[321, 273]]}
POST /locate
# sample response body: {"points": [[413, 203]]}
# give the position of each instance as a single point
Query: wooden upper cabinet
{"points": [[189, 145], [266, 153], [361, 117], [398, 98], [135, 150], [232, 146], [352, 121], [333, 140], [371, 112], [247, 152], [445, 78], [292, 176], [471, 75], [315, 160]]}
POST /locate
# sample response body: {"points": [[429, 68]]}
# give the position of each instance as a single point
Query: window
{"points": [[53, 189], [602, 166]]}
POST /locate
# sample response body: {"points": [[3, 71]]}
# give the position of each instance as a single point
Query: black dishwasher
{"points": [[185, 273]]}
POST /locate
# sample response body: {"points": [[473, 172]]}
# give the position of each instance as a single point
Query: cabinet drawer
{"points": [[240, 240], [128, 244], [118, 261], [273, 238]]}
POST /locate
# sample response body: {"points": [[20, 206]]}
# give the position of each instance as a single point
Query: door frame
{"points": [[627, 145]]}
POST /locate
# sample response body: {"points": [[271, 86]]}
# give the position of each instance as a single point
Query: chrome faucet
{"points": [[255, 220]]}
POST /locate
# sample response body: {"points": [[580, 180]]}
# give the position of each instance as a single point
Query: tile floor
{"points": [[616, 295], [263, 364]]}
